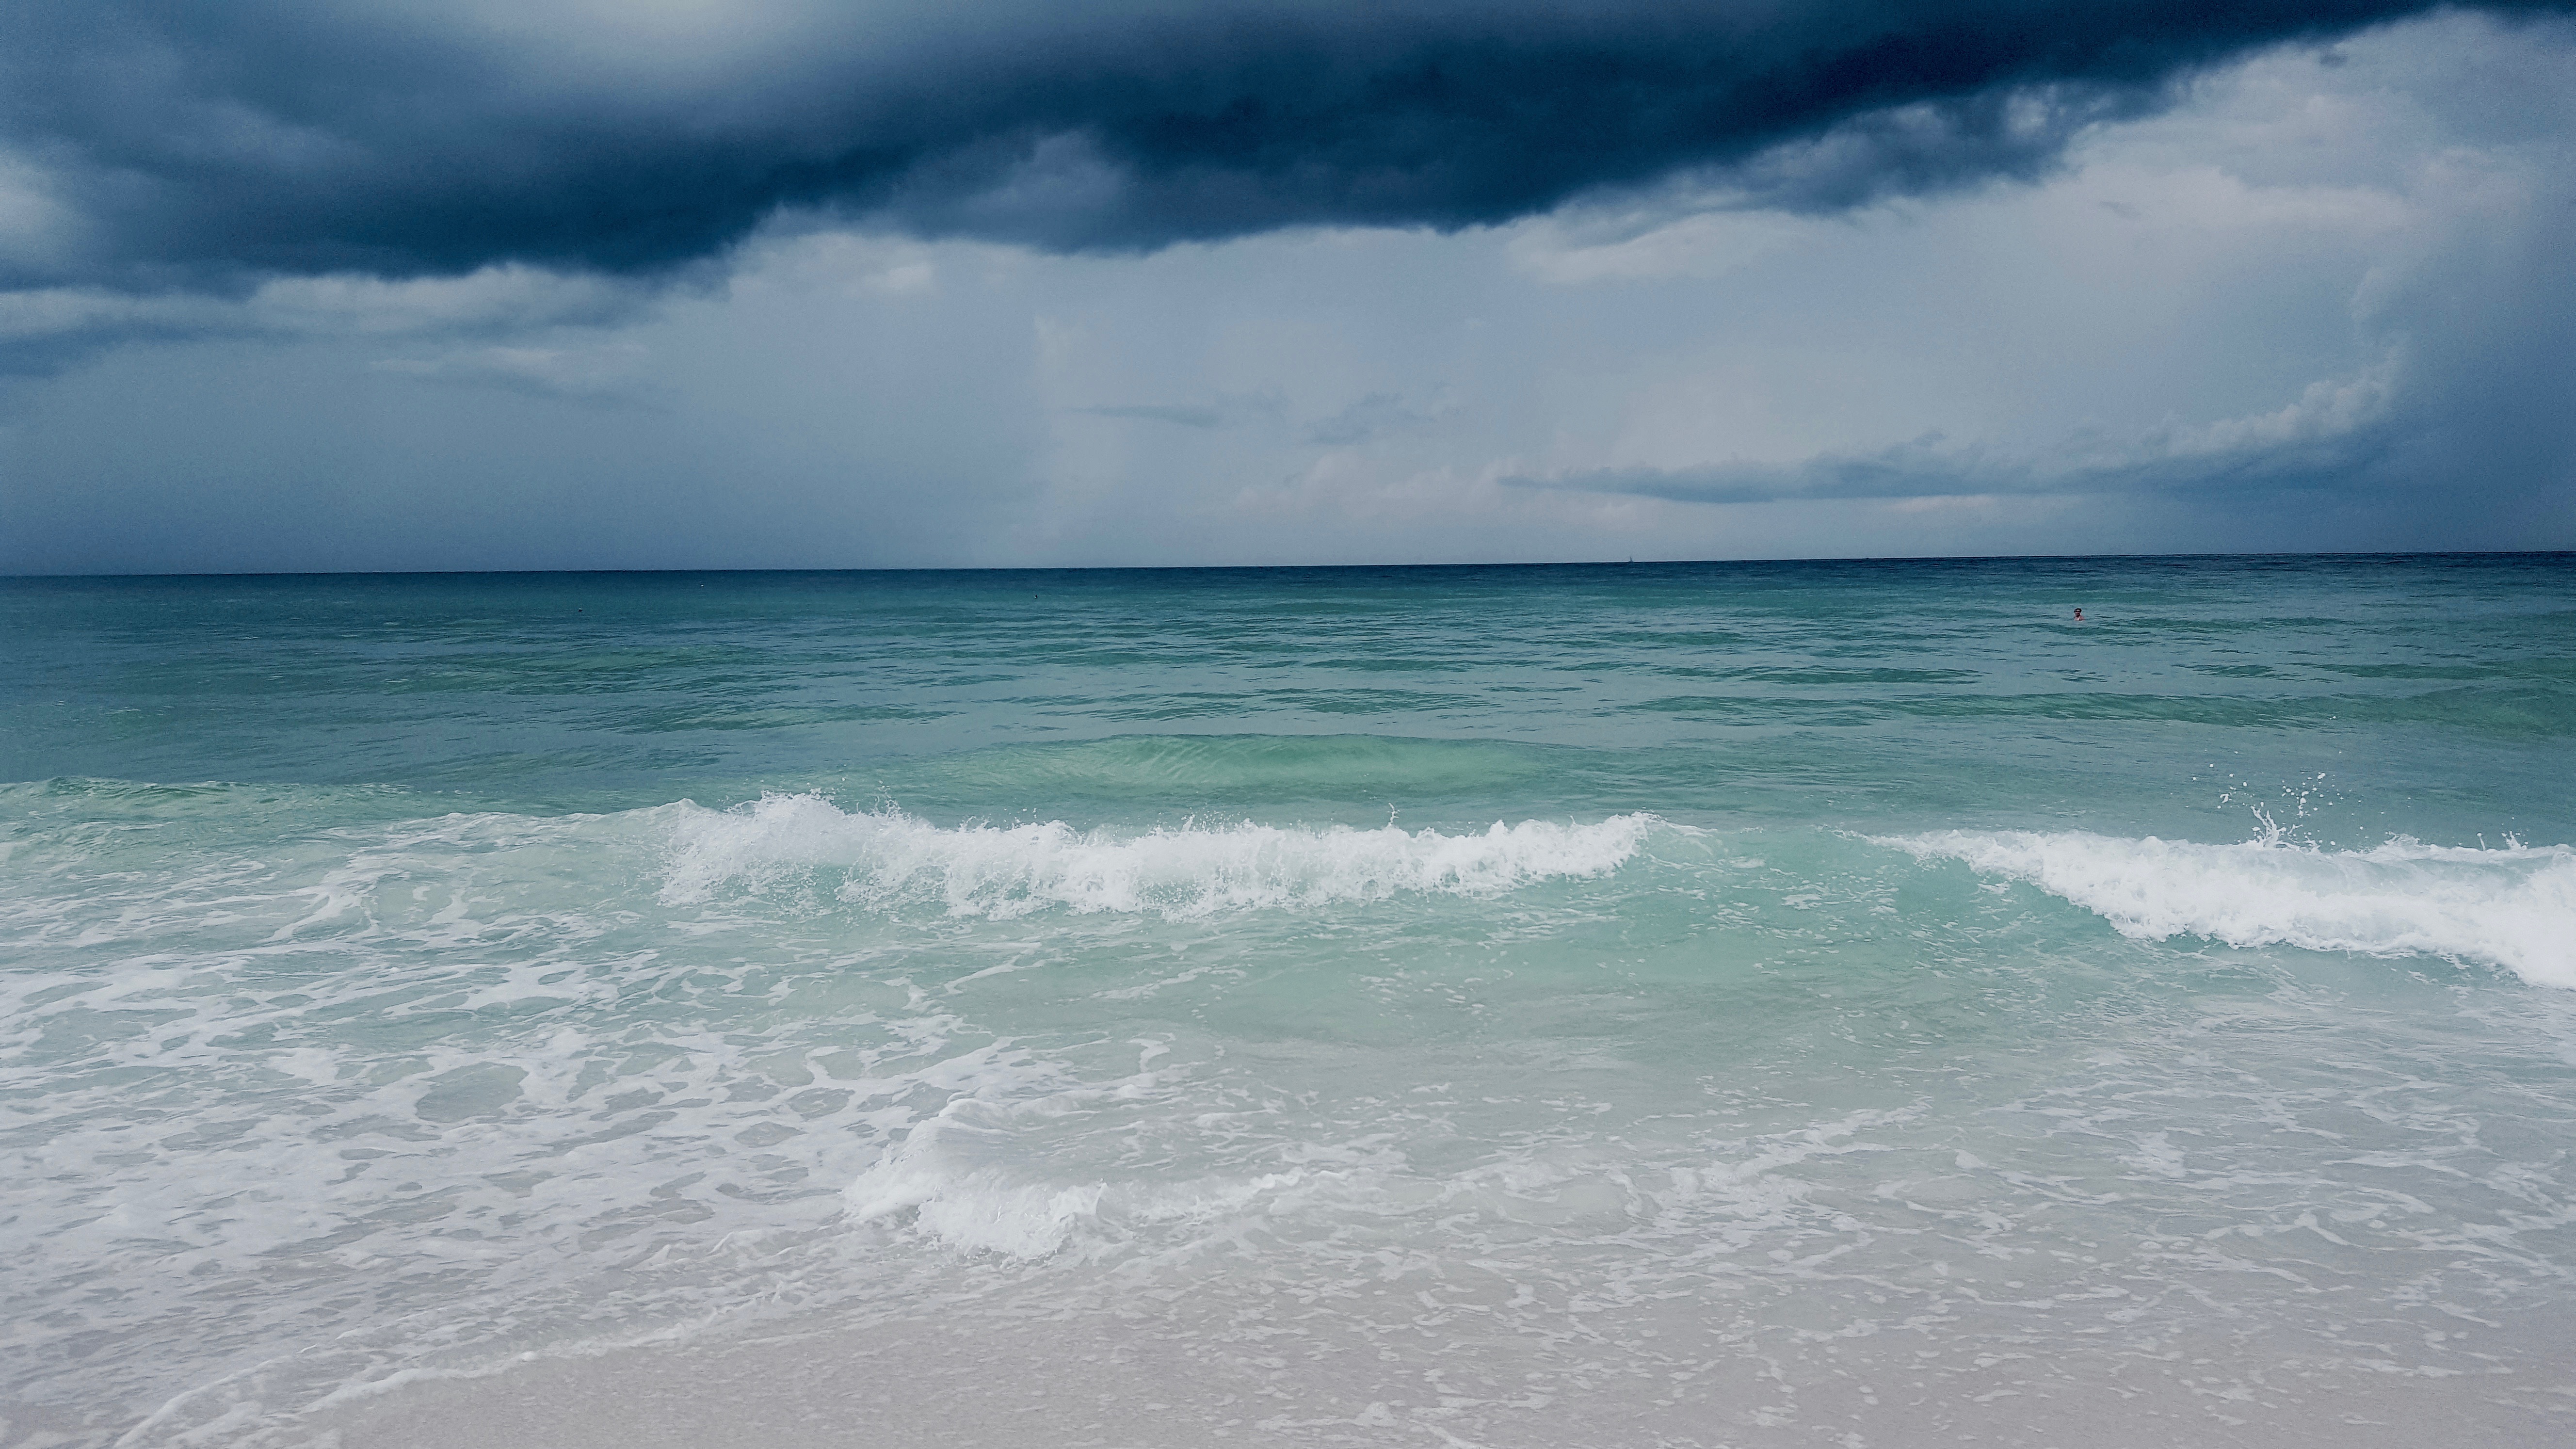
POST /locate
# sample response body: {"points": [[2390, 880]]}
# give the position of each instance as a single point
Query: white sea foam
{"points": [[2512, 907], [1001, 871], [996, 1207], [977, 1212]]}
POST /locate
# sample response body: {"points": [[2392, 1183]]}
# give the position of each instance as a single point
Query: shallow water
{"points": [[1658, 1004]]}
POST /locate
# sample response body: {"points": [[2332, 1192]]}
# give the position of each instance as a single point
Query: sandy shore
{"points": [[1132, 1382]]}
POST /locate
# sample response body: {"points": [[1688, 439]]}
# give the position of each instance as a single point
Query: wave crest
{"points": [[894, 859], [2513, 907]]}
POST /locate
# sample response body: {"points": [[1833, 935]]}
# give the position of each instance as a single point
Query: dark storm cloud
{"points": [[148, 144]]}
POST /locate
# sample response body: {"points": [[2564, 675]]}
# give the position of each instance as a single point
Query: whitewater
{"points": [[1691, 1005]]}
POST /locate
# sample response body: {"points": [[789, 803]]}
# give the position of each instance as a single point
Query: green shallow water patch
{"points": [[1223, 770]]}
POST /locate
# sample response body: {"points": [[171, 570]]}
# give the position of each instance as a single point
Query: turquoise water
{"points": [[1659, 1004]]}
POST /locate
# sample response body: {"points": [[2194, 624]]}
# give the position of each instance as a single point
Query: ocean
{"points": [[1848, 1004]]}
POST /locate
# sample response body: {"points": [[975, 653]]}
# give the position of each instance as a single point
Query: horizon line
{"points": [[10, 577]]}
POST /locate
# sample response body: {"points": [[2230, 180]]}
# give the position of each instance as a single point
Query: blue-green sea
{"points": [[1852, 1004]]}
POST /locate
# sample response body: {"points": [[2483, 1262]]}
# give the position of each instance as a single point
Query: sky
{"points": [[787, 284]]}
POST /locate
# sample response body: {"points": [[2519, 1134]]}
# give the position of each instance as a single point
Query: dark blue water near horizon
{"points": [[630, 688]]}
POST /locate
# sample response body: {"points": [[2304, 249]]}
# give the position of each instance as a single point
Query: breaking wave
{"points": [[894, 859], [2513, 907]]}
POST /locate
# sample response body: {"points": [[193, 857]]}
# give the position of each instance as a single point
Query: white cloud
{"points": [[2332, 428], [2326, 411], [38, 230], [1575, 247], [47, 327], [511, 297], [607, 373]]}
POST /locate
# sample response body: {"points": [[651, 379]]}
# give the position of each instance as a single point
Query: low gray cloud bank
{"points": [[2320, 440]]}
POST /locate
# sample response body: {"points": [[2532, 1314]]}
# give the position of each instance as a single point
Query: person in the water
{"points": [[2079, 616]]}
